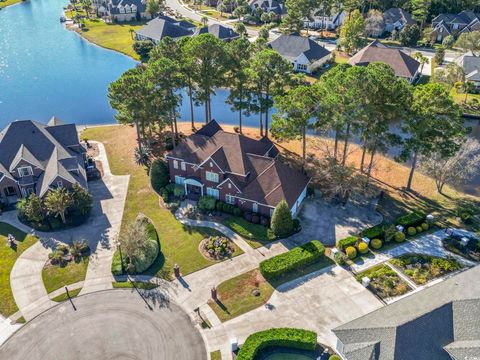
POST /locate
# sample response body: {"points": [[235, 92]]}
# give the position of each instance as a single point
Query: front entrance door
{"points": [[193, 192]]}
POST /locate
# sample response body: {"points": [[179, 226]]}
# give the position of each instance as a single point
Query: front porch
{"points": [[193, 189]]}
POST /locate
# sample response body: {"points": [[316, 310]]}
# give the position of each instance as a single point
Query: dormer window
{"points": [[25, 171]]}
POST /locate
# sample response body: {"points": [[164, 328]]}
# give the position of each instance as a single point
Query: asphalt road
{"points": [[114, 324]]}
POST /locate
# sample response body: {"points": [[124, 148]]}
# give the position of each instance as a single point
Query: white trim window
{"points": [[179, 180], [175, 164], [211, 176], [229, 199], [183, 166], [213, 193], [302, 67], [25, 171], [255, 207]]}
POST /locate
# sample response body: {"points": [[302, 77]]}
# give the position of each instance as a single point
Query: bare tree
{"points": [[455, 170]]}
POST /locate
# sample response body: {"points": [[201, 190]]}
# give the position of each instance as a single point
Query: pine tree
{"points": [[282, 221]]}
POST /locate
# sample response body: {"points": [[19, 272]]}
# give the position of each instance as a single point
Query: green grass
{"points": [[216, 355], [135, 284], [256, 235], [55, 277], [63, 297], [236, 298], [8, 257], [8, 3], [114, 36], [179, 243], [20, 320]]}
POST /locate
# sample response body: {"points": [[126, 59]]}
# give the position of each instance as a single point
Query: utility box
{"points": [[234, 344], [365, 281]]}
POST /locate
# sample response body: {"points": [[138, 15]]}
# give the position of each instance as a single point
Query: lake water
{"points": [[46, 70]]}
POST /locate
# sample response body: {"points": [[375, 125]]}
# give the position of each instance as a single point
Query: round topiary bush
{"points": [[237, 212], [412, 231], [425, 226], [363, 248], [419, 229], [351, 252], [376, 244], [400, 236], [219, 205]]}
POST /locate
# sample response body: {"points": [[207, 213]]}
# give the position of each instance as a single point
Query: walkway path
{"points": [[99, 232], [430, 244]]}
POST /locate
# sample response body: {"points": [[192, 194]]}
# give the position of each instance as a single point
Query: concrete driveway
{"points": [[324, 221], [114, 324]]}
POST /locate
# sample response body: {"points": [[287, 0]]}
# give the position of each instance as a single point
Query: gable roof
{"points": [[423, 326], [219, 31], [471, 65], [292, 46], [114, 5], [403, 65], [393, 15], [159, 28]]}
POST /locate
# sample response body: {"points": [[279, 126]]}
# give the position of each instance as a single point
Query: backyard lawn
{"points": [[116, 36], [55, 277], [8, 257], [256, 235], [179, 243], [236, 295]]}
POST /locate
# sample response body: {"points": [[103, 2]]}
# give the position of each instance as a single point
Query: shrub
{"points": [[82, 200], [296, 225], [179, 191], [284, 337], [165, 195], [282, 221], [400, 236], [412, 231], [145, 256], [340, 258], [363, 248], [255, 219], [170, 188], [349, 241], [419, 229], [412, 219], [237, 211], [425, 226], [264, 221], [351, 252], [376, 231], [159, 176], [293, 259], [219, 205], [376, 244], [248, 216], [207, 203], [228, 208]]}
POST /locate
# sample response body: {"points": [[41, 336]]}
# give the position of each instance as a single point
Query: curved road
{"points": [[113, 324]]}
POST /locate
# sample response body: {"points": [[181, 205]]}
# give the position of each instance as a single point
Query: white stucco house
{"points": [[305, 54], [320, 20]]}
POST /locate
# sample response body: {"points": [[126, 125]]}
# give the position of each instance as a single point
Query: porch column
{"points": [[201, 189], [185, 184]]}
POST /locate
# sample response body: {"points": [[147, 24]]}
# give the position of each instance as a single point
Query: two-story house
{"points": [[237, 170], [35, 158], [319, 19], [122, 10], [454, 24], [162, 26]]}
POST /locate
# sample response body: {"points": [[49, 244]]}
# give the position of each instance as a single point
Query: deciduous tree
{"points": [[352, 32], [58, 201]]}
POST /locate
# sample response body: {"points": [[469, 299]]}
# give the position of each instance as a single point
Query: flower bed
{"points": [[217, 248], [286, 337], [471, 251], [384, 281], [423, 268]]}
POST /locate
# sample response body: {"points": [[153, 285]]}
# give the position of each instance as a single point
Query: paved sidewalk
{"points": [[7, 328]]}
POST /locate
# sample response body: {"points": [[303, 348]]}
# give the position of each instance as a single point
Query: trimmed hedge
{"points": [[349, 241], [284, 337], [413, 219], [375, 232], [293, 259]]}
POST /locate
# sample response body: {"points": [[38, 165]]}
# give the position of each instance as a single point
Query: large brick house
{"points": [[35, 158], [236, 169]]}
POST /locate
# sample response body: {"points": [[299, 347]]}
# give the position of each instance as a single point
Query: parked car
{"points": [[459, 234]]}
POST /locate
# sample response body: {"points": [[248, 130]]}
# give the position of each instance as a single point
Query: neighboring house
{"points": [[403, 65], [219, 31], [397, 19], [319, 20], [441, 322], [470, 63], [156, 29], [454, 24], [275, 6], [122, 10], [35, 158], [305, 54], [237, 170]]}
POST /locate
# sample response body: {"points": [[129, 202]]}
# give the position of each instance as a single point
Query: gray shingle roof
{"points": [[292, 46], [420, 326], [471, 65], [159, 28], [113, 5], [219, 31], [393, 15]]}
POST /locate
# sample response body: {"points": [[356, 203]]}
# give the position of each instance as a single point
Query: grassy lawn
{"points": [[55, 277], [179, 243], [8, 257], [256, 235], [8, 3], [216, 355], [63, 297], [236, 298], [111, 36], [134, 284]]}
